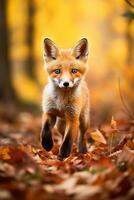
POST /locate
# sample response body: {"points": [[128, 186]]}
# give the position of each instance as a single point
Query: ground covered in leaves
{"points": [[28, 172]]}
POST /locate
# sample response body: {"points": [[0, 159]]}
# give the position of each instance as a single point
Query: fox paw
{"points": [[63, 155], [83, 150], [65, 149]]}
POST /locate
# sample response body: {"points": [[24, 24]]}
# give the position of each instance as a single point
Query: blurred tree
{"points": [[7, 93], [130, 3], [30, 63], [129, 14]]}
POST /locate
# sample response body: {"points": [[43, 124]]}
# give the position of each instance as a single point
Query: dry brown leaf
{"points": [[98, 137], [67, 185], [113, 124], [7, 169], [85, 191], [126, 154], [4, 153], [78, 177], [5, 194]]}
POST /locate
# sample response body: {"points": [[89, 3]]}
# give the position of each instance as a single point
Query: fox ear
{"points": [[50, 49], [80, 51]]}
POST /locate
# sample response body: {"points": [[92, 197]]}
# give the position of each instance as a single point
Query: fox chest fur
{"points": [[63, 103]]}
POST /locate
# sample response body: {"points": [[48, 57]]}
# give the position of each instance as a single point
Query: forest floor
{"points": [[28, 172]]}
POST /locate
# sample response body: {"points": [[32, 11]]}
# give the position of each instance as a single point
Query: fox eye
{"points": [[57, 71], [74, 71]]}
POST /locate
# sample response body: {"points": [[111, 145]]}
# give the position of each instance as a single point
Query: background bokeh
{"points": [[109, 27]]}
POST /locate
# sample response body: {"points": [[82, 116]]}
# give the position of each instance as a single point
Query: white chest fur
{"points": [[61, 102]]}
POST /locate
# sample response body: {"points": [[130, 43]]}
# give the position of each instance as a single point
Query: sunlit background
{"points": [[109, 27]]}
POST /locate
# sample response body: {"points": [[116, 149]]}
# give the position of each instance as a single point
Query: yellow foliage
{"points": [[66, 22], [27, 89]]}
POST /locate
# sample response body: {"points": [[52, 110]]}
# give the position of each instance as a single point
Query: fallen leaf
{"points": [[68, 184], [98, 137], [126, 155], [85, 191], [113, 124], [5, 153], [5, 195]]}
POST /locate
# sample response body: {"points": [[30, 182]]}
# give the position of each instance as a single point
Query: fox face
{"points": [[66, 67]]}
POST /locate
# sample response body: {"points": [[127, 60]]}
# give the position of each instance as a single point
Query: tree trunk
{"points": [[130, 44], [7, 92], [30, 67], [129, 34]]}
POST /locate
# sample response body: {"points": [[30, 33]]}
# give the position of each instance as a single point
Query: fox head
{"points": [[66, 67]]}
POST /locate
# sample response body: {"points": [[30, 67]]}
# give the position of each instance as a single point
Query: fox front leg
{"points": [[46, 132], [61, 125], [72, 126], [84, 124]]}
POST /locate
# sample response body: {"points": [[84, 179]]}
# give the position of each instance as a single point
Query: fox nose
{"points": [[66, 84]]}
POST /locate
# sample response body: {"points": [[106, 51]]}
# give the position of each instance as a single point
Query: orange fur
{"points": [[66, 97]]}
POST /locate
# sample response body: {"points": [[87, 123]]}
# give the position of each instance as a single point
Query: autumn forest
{"points": [[27, 170]]}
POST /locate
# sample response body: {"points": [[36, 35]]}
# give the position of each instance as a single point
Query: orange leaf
{"points": [[113, 123], [4, 153]]}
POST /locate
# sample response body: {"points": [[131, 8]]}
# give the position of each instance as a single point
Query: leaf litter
{"points": [[28, 172]]}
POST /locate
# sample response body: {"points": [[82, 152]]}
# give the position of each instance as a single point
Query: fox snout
{"points": [[66, 84]]}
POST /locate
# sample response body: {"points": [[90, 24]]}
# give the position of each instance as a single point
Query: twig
{"points": [[110, 143], [118, 147], [115, 153]]}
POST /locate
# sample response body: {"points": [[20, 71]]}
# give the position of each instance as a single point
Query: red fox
{"points": [[66, 96]]}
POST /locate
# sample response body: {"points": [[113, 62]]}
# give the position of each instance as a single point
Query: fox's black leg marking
{"points": [[82, 145], [46, 137], [66, 147], [82, 148]]}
